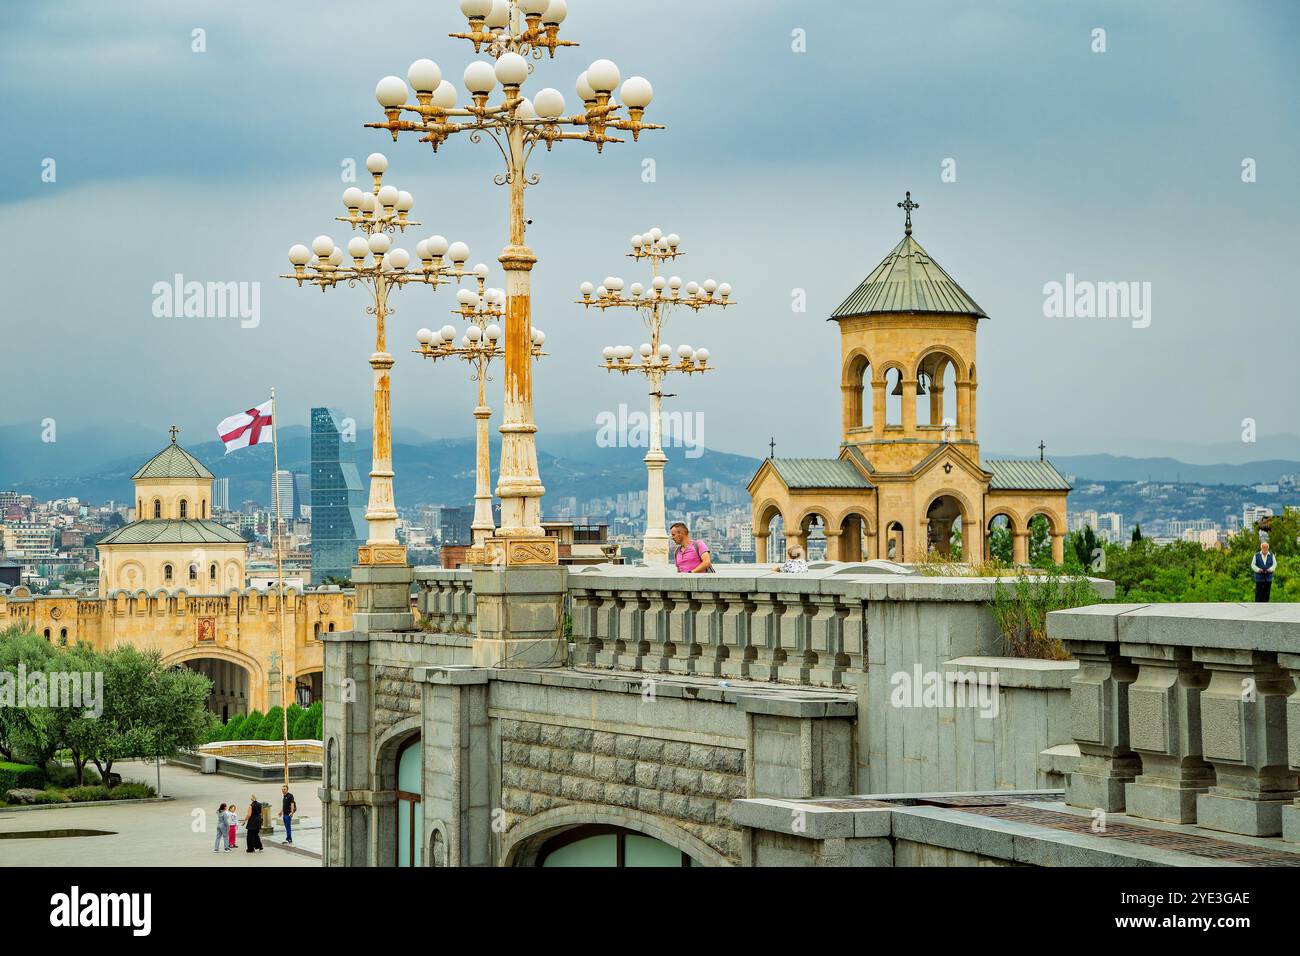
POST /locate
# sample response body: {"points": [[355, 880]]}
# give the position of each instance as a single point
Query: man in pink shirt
{"points": [[691, 557]]}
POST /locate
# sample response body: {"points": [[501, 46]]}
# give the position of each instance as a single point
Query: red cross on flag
{"points": [[252, 427]]}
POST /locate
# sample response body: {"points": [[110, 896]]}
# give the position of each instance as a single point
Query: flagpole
{"points": [[279, 576]]}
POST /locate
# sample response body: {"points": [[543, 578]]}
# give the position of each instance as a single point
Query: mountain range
{"points": [[96, 465]]}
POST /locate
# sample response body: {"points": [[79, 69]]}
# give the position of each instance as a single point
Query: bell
{"points": [[920, 383], [898, 389]]}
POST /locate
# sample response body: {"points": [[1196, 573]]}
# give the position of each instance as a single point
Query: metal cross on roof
{"points": [[174, 430], [771, 445], [1041, 446], [907, 206]]}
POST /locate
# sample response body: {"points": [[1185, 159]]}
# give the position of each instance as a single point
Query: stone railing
{"points": [[446, 600], [797, 629], [1187, 713]]}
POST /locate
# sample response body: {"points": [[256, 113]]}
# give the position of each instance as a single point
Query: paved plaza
{"points": [[169, 833]]}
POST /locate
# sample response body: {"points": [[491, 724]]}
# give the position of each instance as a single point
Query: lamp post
{"points": [[380, 268], [511, 32], [654, 302], [480, 344]]}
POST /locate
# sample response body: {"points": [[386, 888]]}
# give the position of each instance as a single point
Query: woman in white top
{"points": [[796, 563]]}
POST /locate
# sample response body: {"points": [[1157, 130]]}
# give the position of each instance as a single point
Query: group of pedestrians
{"points": [[228, 822]]}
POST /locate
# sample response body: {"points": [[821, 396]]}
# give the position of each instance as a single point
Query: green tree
{"points": [[29, 731]]}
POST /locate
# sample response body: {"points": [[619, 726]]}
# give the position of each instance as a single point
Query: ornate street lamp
{"points": [[380, 268], [511, 32], [480, 344], [654, 302]]}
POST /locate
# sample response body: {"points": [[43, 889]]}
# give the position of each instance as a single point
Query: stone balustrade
{"points": [[446, 600], [1187, 713]]}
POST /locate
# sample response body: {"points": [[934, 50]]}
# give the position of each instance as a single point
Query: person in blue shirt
{"points": [[1265, 566]]}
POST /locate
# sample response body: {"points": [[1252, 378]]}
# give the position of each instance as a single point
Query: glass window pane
{"points": [[408, 769], [641, 850], [599, 850], [403, 833]]}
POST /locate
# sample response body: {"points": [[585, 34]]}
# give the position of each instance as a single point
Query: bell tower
{"points": [[908, 378]]}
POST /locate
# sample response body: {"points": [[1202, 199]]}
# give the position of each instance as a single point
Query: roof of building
{"points": [[1025, 475], [908, 280], [819, 473], [172, 532], [173, 462]]}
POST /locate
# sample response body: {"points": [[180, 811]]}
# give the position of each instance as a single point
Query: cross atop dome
{"points": [[174, 432], [907, 206]]}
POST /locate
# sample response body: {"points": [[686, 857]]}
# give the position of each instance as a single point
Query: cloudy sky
{"points": [[780, 170]]}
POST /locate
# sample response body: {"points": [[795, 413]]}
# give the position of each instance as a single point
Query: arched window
{"points": [[63, 637], [331, 627], [857, 385], [194, 572], [894, 397], [47, 633], [185, 509], [410, 806], [167, 572], [204, 508], [601, 845], [212, 572], [139, 508], [157, 509]]}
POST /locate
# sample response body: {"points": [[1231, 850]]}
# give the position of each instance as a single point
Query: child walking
{"points": [[232, 823], [223, 833]]}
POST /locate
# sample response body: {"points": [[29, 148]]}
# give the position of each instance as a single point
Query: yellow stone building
{"points": [[175, 580], [908, 471]]}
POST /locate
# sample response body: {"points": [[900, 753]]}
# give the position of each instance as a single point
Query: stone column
{"points": [[383, 598], [1291, 814], [764, 636], [834, 545], [760, 548], [1020, 547], [1058, 547], [520, 617], [1164, 724], [878, 408], [909, 406], [1100, 725], [737, 629], [1243, 721], [826, 640], [656, 631]]}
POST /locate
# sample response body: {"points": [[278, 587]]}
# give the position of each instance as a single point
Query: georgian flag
{"points": [[252, 427]]}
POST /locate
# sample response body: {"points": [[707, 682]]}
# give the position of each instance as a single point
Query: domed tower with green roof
{"points": [[909, 480], [173, 543]]}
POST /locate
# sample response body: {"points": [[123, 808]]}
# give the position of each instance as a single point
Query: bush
{"points": [[1021, 612], [20, 776], [132, 791], [272, 724], [312, 722], [85, 794], [251, 728], [30, 796], [58, 775], [231, 727]]}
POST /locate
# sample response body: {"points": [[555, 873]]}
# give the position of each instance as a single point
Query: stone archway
{"points": [[232, 683], [944, 526], [524, 844], [769, 533], [857, 537]]}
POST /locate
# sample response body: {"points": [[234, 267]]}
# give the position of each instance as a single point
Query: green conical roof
{"points": [[173, 462], [908, 280]]}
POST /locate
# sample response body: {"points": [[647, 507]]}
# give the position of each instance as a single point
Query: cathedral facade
{"points": [[174, 580], [909, 474]]}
